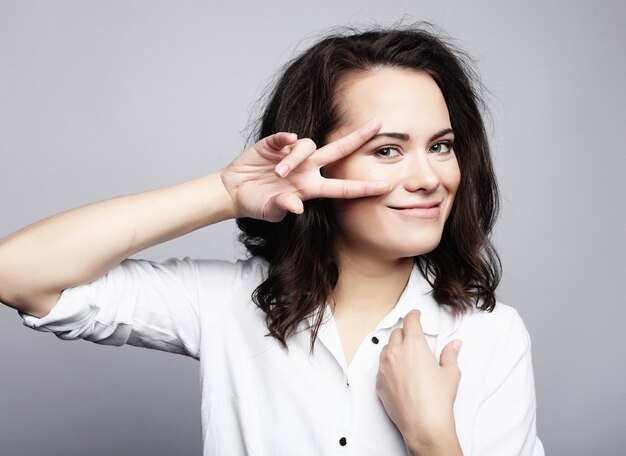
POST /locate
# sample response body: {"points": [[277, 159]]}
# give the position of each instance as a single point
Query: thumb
{"points": [[450, 354]]}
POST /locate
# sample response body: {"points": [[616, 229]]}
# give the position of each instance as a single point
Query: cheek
{"points": [[351, 167], [356, 216], [347, 211], [451, 177], [451, 181]]}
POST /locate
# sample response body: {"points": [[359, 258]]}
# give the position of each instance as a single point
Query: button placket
{"points": [[346, 419]]}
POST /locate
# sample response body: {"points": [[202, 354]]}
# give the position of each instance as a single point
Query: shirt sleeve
{"points": [[139, 302], [506, 418]]}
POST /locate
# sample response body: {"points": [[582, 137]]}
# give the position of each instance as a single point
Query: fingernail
{"points": [[457, 344], [281, 170]]}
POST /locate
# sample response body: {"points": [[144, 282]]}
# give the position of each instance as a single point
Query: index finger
{"points": [[412, 326], [347, 144]]}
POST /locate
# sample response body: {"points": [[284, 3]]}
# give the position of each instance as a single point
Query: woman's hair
{"points": [[464, 269]]}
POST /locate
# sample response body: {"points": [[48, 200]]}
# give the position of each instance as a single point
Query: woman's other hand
{"points": [[417, 391], [280, 172]]}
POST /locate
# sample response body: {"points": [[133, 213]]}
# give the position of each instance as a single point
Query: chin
{"points": [[422, 248]]}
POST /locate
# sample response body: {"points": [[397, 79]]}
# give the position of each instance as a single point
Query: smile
{"points": [[423, 211]]}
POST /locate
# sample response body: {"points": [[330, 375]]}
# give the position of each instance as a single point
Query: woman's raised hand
{"points": [[278, 173]]}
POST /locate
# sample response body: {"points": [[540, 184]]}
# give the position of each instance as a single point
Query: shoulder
{"points": [[493, 335], [502, 320]]}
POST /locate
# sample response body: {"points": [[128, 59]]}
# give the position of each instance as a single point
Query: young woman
{"points": [[367, 208]]}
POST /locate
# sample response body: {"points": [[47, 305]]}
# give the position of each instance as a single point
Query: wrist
{"points": [[443, 442], [220, 203]]}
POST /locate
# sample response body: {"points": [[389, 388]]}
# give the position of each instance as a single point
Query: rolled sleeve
{"points": [[139, 302]]}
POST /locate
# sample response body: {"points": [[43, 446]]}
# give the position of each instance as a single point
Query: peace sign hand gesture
{"points": [[278, 173]]}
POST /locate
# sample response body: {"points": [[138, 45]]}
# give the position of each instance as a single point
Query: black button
{"points": [[375, 339], [342, 441]]}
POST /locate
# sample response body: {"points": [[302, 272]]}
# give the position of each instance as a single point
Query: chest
{"points": [[293, 402]]}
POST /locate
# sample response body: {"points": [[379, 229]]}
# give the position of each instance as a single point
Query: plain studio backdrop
{"points": [[106, 98]]}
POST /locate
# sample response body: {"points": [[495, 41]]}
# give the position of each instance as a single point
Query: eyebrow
{"points": [[406, 137]]}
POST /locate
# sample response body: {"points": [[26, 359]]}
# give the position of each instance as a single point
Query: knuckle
{"points": [[393, 352], [308, 143], [345, 192], [341, 148]]}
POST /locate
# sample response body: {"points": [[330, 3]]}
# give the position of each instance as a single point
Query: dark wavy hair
{"points": [[464, 269]]}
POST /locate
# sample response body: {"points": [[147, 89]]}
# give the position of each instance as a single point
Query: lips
{"points": [[417, 206], [427, 210]]}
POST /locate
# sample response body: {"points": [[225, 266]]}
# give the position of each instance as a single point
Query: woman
{"points": [[371, 263]]}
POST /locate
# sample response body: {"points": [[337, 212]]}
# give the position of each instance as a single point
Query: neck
{"points": [[369, 286]]}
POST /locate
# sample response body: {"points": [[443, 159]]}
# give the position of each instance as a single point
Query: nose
{"points": [[420, 176]]}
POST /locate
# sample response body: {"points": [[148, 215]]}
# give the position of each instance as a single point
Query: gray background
{"points": [[99, 99]]}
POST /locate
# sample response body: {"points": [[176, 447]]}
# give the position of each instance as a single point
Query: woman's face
{"points": [[412, 151]]}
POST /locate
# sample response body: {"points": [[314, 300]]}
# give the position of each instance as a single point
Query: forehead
{"points": [[404, 100]]}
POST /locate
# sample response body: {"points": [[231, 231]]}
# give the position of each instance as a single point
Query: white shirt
{"points": [[258, 399]]}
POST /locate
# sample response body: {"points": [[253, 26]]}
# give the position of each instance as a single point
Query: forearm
{"points": [[80, 245]]}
